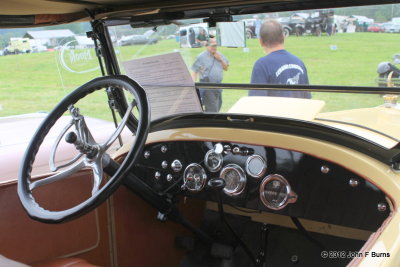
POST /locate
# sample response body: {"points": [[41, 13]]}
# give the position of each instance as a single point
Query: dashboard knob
{"points": [[164, 164], [216, 184], [218, 148], [176, 166], [169, 178]]}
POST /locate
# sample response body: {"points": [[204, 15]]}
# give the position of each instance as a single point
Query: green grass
{"points": [[32, 82]]}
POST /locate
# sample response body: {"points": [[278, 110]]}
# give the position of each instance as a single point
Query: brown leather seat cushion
{"points": [[67, 262]]}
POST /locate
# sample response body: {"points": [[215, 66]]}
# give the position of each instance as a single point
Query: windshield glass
{"points": [[332, 47]]}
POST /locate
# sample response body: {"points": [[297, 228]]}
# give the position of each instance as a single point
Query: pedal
{"points": [[221, 251]]}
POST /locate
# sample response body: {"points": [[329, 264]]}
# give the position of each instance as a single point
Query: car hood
{"points": [[380, 125]]}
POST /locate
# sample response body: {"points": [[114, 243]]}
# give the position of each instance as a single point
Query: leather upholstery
{"points": [[67, 262]]}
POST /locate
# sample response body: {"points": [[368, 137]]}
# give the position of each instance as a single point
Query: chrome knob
{"points": [[169, 178], [164, 164], [381, 207], [354, 182], [176, 165], [218, 148], [164, 149], [147, 154], [325, 169], [157, 175]]}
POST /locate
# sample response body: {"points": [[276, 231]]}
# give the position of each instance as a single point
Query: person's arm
{"points": [[194, 76], [195, 69], [219, 57]]}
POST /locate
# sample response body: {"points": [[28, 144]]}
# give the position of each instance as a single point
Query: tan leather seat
{"points": [[67, 262]]}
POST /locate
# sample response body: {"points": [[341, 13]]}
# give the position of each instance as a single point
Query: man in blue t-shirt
{"points": [[279, 66]]}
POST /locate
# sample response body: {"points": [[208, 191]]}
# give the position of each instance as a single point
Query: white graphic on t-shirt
{"points": [[294, 80], [288, 66]]}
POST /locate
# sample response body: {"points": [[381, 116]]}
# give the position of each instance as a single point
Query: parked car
{"points": [[374, 27], [250, 28], [394, 28], [138, 39], [386, 26], [266, 181]]}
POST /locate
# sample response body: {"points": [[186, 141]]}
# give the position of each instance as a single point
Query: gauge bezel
{"points": [[262, 172], [290, 197], [242, 180], [211, 169], [203, 178]]}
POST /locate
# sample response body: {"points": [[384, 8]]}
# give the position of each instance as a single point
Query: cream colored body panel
{"points": [[384, 119], [386, 239], [294, 108]]}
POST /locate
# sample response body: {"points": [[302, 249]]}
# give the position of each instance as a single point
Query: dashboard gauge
{"points": [[213, 160], [256, 166], [235, 179], [194, 177], [276, 193]]}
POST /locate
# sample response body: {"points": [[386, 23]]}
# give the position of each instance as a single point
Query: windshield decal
{"points": [[77, 58]]}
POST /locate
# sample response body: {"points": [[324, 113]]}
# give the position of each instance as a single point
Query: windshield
{"points": [[343, 47], [334, 47]]}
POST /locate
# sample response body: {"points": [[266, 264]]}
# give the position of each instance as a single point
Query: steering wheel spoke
{"points": [[58, 176], [106, 145]]}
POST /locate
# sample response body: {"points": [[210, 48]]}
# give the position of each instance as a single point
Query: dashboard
{"points": [[268, 179]]}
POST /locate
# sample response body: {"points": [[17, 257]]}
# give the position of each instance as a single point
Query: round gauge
{"points": [[235, 179], [213, 160], [256, 166], [194, 177], [276, 193]]}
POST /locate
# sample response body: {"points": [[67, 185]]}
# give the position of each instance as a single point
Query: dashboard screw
{"points": [[381, 207], [294, 259], [325, 169], [147, 154], [164, 164], [354, 182], [169, 178]]}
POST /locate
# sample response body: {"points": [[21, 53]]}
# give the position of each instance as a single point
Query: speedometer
{"points": [[235, 179], [276, 193]]}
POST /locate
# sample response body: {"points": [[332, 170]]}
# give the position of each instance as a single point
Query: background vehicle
{"points": [[374, 27], [149, 37], [394, 28], [17, 46], [188, 35], [250, 28], [389, 73]]}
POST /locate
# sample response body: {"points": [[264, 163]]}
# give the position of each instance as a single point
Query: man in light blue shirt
{"points": [[209, 67]]}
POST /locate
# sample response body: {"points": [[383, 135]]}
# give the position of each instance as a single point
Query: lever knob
{"points": [[216, 184], [71, 138]]}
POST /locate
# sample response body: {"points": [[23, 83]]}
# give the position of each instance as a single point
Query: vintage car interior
{"points": [[270, 181]]}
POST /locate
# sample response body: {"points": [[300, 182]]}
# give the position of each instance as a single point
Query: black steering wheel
{"points": [[91, 154]]}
